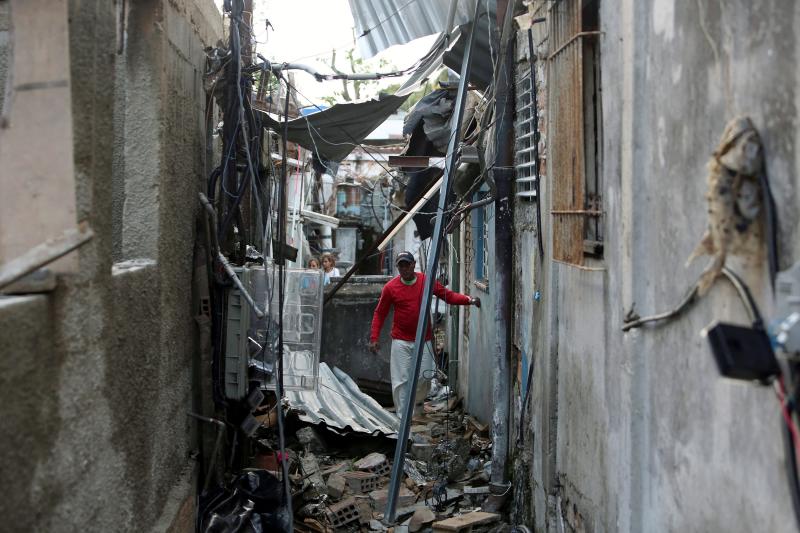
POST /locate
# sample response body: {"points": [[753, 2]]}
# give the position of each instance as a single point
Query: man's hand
{"points": [[476, 301], [373, 347]]}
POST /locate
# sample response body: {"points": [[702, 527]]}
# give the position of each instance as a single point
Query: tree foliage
{"points": [[352, 90]]}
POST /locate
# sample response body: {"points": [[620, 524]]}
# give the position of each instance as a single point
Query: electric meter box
{"points": [[252, 343]]}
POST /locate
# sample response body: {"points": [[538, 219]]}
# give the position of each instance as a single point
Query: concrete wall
{"points": [[477, 361], [346, 322], [95, 377], [636, 431], [5, 49]]}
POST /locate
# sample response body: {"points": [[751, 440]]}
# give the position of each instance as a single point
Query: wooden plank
{"points": [[37, 183], [465, 521], [45, 253]]}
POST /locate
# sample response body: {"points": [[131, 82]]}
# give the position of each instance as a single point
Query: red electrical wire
{"points": [[780, 391]]}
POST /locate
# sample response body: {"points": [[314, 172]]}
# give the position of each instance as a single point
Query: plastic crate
{"points": [[247, 334]]}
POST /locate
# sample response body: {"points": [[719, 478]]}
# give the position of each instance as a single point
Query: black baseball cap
{"points": [[404, 256]]}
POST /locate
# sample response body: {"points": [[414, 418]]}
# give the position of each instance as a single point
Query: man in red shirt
{"points": [[405, 293]]}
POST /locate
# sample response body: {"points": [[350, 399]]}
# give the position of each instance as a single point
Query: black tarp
{"points": [[336, 131], [481, 72]]}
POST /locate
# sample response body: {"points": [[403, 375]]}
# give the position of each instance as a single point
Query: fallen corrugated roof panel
{"points": [[383, 23], [340, 404]]}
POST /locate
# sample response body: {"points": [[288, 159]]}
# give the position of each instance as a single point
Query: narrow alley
{"points": [[489, 266]]}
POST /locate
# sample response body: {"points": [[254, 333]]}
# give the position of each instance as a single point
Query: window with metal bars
{"points": [[480, 232], [526, 137], [575, 118]]}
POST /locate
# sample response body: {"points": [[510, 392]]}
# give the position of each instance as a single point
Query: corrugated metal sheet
{"points": [[383, 23], [340, 404]]}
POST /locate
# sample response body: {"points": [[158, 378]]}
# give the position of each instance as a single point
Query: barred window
{"points": [[480, 232], [524, 159], [575, 114]]}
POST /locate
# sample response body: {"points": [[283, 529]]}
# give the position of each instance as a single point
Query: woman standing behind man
{"points": [[329, 269]]}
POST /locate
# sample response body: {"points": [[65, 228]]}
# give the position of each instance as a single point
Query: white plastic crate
{"points": [[302, 330]]}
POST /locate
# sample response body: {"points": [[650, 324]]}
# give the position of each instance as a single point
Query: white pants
{"points": [[402, 365]]}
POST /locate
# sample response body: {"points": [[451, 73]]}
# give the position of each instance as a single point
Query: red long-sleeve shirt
{"points": [[406, 300]]}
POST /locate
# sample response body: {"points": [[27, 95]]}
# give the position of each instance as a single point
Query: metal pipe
{"points": [[220, 432], [451, 16], [224, 260], [503, 175], [430, 273]]}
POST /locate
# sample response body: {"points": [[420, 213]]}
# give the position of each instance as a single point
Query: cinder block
{"points": [[361, 482], [343, 513], [375, 463]]}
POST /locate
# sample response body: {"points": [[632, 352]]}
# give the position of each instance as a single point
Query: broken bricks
{"points": [[342, 513], [336, 485], [310, 468], [375, 463], [421, 517], [361, 482], [310, 440], [404, 498]]}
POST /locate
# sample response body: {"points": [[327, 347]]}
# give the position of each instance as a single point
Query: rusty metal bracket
{"points": [[573, 39]]}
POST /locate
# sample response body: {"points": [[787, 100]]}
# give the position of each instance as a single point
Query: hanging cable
{"points": [[281, 296]]}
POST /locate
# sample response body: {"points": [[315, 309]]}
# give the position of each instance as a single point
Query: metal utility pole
{"points": [[430, 273], [503, 175]]}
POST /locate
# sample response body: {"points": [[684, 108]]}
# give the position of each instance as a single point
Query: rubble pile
{"points": [[342, 488]]}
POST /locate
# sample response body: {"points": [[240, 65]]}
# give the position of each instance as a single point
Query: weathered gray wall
{"points": [[95, 378], [5, 57], [636, 431], [478, 361]]}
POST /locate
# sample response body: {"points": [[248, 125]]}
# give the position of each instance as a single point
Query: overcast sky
{"points": [[306, 31]]}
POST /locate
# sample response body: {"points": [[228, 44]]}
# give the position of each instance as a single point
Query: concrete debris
{"points": [[310, 440], [404, 497], [375, 463], [336, 485], [340, 484], [465, 522], [361, 482], [316, 484], [343, 513], [477, 490], [364, 510], [422, 451], [375, 525], [422, 517]]}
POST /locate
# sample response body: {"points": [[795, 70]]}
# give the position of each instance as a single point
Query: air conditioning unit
{"points": [[251, 343]]}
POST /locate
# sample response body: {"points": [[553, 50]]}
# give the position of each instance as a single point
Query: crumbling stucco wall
{"points": [[95, 378], [636, 431]]}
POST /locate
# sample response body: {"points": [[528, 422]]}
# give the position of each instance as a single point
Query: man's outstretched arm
{"points": [[454, 298], [378, 318]]}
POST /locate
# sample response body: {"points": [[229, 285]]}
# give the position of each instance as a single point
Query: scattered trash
{"points": [[339, 467], [253, 504]]}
